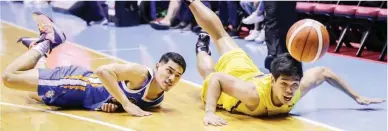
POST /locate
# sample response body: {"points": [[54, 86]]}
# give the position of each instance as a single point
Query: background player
{"points": [[132, 85], [236, 84]]}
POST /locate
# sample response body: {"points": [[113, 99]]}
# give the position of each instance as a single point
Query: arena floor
{"points": [[324, 108]]}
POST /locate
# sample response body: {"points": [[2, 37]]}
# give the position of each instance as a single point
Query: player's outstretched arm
{"points": [[110, 74], [316, 76], [221, 82]]}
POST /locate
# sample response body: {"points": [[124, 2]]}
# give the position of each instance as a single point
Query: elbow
{"points": [[100, 71], [216, 76], [326, 72], [324, 69], [105, 73]]}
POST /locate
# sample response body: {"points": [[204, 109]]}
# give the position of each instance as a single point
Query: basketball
{"points": [[307, 40]]}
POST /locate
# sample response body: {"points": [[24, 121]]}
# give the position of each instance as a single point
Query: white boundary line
{"points": [[318, 123], [186, 81], [124, 49], [69, 115]]}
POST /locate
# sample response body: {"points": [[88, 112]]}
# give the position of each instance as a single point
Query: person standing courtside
{"points": [[279, 17]]}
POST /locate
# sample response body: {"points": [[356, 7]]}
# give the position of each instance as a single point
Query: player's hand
{"points": [[213, 119], [366, 101], [135, 110], [109, 107]]}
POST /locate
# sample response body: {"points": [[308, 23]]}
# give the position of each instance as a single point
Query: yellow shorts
{"points": [[236, 63]]}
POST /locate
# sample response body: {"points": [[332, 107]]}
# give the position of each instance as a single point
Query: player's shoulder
{"points": [[136, 73], [263, 83], [137, 68], [262, 78]]}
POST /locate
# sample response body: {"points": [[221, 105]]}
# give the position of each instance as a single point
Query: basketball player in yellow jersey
{"points": [[235, 84]]}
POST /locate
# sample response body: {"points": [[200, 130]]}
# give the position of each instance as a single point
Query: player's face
{"points": [[285, 88], [168, 74]]}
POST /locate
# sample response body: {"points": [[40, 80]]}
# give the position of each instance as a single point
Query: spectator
{"points": [[92, 12], [229, 15], [255, 9], [279, 17], [186, 17], [165, 23]]}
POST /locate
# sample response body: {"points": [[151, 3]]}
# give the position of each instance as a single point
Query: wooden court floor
{"points": [[182, 109]]}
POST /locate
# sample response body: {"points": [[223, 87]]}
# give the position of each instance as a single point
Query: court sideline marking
{"points": [[69, 115], [183, 80], [121, 49]]}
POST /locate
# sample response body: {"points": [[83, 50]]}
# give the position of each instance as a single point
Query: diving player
{"points": [[235, 84]]}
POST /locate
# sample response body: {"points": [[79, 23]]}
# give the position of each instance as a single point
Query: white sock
{"points": [[42, 59], [42, 47]]}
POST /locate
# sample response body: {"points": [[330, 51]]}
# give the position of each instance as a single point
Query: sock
{"points": [[203, 48], [203, 43], [42, 47], [42, 58]]}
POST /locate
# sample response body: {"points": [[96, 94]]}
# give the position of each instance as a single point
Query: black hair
{"points": [[285, 64], [175, 57]]}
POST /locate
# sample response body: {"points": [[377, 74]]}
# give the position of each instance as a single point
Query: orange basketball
{"points": [[307, 40]]}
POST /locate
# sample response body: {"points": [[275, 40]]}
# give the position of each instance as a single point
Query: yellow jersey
{"points": [[263, 87], [238, 64]]}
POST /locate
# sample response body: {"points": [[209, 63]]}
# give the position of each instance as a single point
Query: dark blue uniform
{"points": [[77, 87]]}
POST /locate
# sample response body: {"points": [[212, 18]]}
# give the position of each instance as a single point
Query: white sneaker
{"points": [[101, 22], [253, 18], [261, 37], [253, 34]]}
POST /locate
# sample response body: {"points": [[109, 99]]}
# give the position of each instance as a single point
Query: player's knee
{"points": [[7, 78]]}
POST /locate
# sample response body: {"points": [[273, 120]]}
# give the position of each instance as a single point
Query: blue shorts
{"points": [[63, 86]]}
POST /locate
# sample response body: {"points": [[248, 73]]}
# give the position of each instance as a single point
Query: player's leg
{"points": [[35, 96], [205, 63], [41, 64], [210, 22], [29, 42], [20, 73]]}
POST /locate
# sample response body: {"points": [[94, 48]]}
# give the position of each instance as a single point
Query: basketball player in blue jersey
{"points": [[131, 87]]}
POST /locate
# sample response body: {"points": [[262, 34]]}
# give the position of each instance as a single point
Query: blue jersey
{"points": [[74, 86]]}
